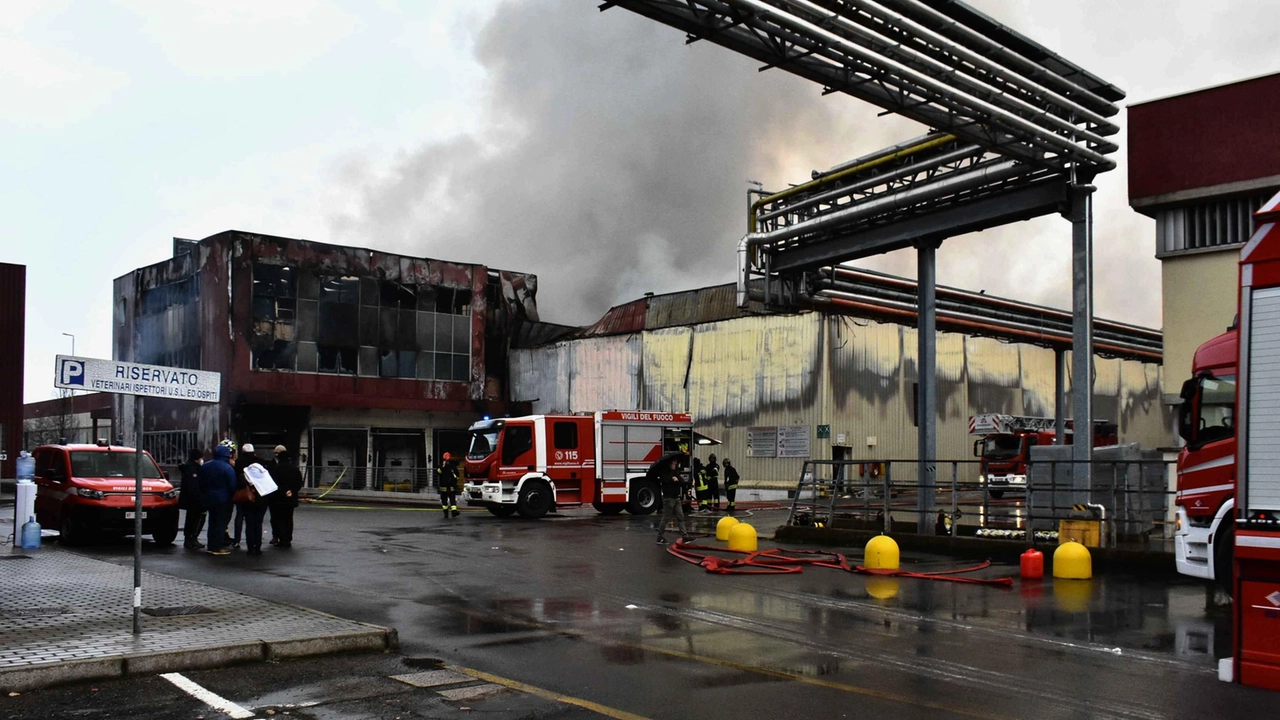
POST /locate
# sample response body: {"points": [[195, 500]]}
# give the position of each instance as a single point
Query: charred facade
{"points": [[370, 364]]}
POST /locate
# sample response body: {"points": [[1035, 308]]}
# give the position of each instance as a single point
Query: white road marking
{"points": [[213, 700]]}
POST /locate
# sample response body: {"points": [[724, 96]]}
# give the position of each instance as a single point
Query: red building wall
{"points": [[13, 301], [1206, 138]]}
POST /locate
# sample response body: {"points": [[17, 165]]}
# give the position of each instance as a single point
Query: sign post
{"points": [[122, 378]]}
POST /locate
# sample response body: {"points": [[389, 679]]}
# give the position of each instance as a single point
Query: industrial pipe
{"points": [[1034, 336], [933, 162], [993, 171], [927, 143], [978, 87], [855, 273], [1072, 149], [954, 309], [1012, 57], [1077, 110]]}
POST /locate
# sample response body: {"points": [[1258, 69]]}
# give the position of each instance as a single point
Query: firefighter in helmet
{"points": [[713, 483], [731, 485], [700, 487], [450, 484]]}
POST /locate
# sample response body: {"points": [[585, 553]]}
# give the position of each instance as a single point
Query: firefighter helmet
{"points": [[447, 457]]}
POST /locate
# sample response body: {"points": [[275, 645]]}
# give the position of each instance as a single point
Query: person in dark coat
{"points": [[713, 483], [189, 499], [667, 473], [217, 480], [699, 475], [254, 510], [731, 478], [283, 501], [244, 459]]}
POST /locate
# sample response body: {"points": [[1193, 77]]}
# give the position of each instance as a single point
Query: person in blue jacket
{"points": [[218, 484]]}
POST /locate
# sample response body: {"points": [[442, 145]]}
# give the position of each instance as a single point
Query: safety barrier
{"points": [[1122, 499]]}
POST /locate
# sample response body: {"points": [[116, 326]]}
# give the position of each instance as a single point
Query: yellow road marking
{"points": [[549, 695], [383, 507]]}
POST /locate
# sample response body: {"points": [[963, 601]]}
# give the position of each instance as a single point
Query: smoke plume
{"points": [[614, 161]]}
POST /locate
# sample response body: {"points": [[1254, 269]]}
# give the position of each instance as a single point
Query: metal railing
{"points": [[1128, 499]]}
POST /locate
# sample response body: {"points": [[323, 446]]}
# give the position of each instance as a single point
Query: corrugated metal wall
{"points": [[811, 369]]}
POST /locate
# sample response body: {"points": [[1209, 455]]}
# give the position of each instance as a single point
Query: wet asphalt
{"points": [[589, 607]]}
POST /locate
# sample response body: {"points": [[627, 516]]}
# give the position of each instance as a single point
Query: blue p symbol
{"points": [[72, 373]]}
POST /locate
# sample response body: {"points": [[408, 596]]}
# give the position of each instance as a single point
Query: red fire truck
{"points": [[1005, 446], [1207, 463], [532, 465], [1256, 513]]}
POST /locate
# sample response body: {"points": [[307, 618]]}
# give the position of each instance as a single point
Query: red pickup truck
{"points": [[87, 490]]}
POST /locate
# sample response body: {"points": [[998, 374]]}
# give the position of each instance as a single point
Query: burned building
{"points": [[13, 317], [836, 379], [370, 364]]}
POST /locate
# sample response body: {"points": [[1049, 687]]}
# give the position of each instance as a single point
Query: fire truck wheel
{"points": [[608, 508], [501, 510], [535, 500], [997, 494], [1223, 562], [644, 498]]}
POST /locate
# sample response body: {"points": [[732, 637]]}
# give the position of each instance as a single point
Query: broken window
{"points": [[338, 326], [169, 324], [271, 338]]}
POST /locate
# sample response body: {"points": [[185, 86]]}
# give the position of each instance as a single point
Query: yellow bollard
{"points": [[881, 553], [1071, 561], [742, 537], [724, 526]]}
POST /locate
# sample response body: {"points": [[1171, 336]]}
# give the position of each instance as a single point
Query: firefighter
{"points": [[730, 484], [700, 485], [450, 484], [713, 482]]}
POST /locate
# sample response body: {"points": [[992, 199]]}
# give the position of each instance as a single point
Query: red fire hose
{"points": [[776, 561]]}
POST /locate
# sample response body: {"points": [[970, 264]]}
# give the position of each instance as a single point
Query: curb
{"points": [[1145, 562], [376, 639]]}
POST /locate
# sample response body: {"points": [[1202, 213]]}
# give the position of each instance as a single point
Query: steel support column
{"points": [[1080, 213], [1059, 396], [927, 377]]}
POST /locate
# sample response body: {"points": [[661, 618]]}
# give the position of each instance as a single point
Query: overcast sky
{"points": [[594, 149]]}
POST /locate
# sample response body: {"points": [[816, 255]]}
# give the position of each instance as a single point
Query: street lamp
{"points": [[73, 342]]}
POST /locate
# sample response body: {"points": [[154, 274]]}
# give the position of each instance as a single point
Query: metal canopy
{"points": [[1016, 131]]}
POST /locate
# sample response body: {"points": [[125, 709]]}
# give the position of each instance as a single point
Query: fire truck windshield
{"points": [[1001, 447], [483, 443]]}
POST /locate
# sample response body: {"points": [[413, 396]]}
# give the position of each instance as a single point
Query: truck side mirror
{"points": [[977, 448], [1187, 410]]}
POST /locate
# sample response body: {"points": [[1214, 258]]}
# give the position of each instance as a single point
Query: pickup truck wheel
{"points": [[501, 510], [165, 537], [644, 497], [608, 508], [534, 501]]}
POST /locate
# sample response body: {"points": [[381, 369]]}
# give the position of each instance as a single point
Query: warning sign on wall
{"points": [[762, 441]]}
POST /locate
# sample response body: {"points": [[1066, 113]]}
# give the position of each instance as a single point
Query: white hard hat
{"points": [[247, 447]]}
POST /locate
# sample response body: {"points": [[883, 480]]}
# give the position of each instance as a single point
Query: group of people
{"points": [[228, 482], [706, 488], [706, 484]]}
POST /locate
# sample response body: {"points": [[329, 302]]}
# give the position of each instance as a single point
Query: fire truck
{"points": [[532, 465], [1207, 462], [1005, 446]]}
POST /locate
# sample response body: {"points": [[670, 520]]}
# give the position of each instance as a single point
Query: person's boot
{"points": [[456, 513], [444, 513]]}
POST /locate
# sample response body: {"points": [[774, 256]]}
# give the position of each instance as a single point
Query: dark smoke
{"points": [[614, 161]]}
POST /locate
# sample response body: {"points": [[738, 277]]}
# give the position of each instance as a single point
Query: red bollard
{"points": [[1032, 565]]}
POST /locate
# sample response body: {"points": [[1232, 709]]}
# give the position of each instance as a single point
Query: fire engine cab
{"points": [[1005, 446], [534, 464]]}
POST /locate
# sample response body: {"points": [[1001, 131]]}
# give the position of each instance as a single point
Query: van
{"points": [[86, 491]]}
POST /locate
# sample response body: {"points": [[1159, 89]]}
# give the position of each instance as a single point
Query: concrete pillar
{"points": [[927, 410], [1080, 214]]}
